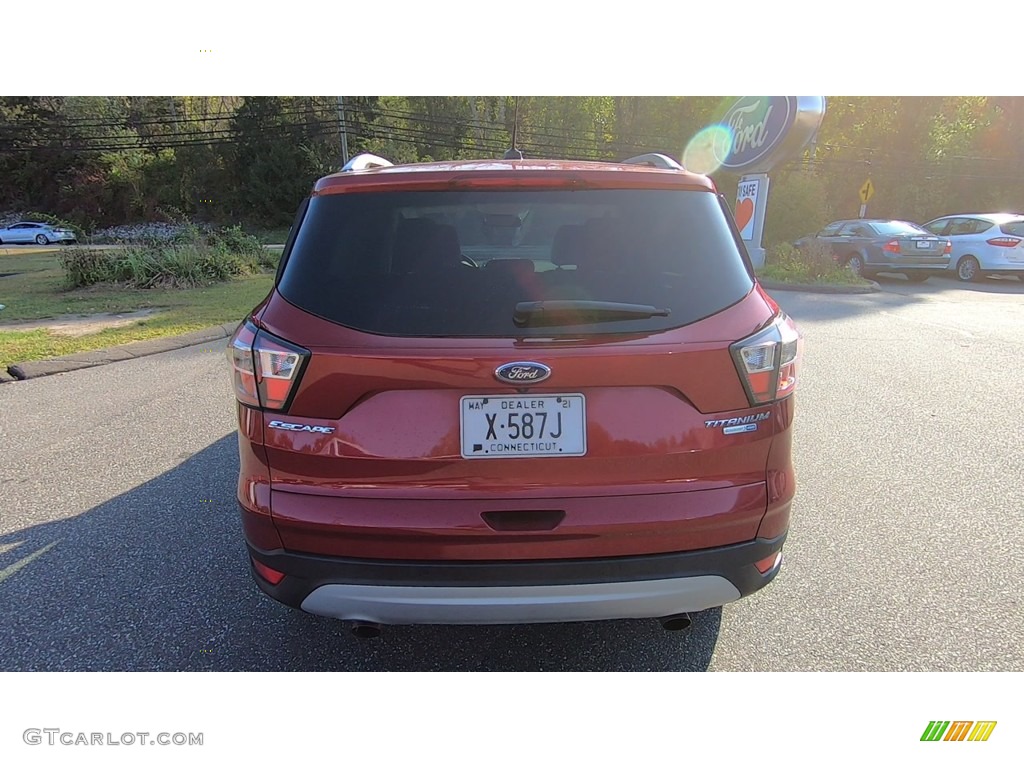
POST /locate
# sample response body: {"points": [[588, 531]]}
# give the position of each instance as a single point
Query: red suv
{"points": [[514, 391]]}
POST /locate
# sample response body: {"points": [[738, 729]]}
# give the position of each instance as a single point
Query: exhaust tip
{"points": [[366, 630], [676, 623]]}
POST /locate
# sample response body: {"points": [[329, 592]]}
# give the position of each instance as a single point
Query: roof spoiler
{"points": [[655, 160], [365, 161]]}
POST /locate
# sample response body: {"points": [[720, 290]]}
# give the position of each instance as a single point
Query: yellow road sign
{"points": [[867, 191]]}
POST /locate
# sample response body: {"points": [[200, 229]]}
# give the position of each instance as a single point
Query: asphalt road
{"points": [[120, 547]]}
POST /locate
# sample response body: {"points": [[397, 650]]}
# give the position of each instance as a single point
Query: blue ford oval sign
{"points": [[757, 125], [522, 373], [765, 130]]}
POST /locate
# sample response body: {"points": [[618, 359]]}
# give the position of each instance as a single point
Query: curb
{"points": [[130, 351], [772, 285]]}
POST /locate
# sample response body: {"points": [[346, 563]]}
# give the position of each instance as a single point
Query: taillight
{"points": [[1004, 242], [893, 246], [264, 368], [767, 361], [277, 369], [948, 249]]}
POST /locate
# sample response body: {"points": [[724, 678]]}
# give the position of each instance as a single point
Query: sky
{"points": [[449, 47]]}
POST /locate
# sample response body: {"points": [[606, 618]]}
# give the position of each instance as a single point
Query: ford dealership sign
{"points": [[765, 130], [757, 125]]}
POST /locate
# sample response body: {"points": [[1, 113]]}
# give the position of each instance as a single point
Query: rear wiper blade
{"points": [[542, 313]]}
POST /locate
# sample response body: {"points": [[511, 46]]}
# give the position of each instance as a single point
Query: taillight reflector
{"points": [[893, 246], [243, 368], [266, 572], [768, 563], [1004, 242]]}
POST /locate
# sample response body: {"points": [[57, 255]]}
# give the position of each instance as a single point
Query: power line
{"points": [[454, 128], [631, 141], [448, 133]]}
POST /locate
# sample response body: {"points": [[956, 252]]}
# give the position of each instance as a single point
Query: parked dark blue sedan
{"points": [[870, 246]]}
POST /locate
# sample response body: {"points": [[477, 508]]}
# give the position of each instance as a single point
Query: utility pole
{"points": [[342, 130], [476, 122], [515, 125], [810, 163]]}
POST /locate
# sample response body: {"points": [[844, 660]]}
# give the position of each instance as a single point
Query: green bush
{"points": [[814, 258], [268, 259], [811, 264], [84, 266], [236, 240], [190, 259]]}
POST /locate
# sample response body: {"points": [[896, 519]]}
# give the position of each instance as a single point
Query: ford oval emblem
{"points": [[757, 125], [522, 373]]}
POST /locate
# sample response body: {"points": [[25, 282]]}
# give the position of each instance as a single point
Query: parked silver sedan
{"points": [[36, 232], [983, 243]]}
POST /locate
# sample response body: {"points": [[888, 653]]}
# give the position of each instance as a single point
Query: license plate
{"points": [[518, 426], [923, 244]]}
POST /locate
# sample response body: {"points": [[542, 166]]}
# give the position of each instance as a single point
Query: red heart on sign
{"points": [[744, 212]]}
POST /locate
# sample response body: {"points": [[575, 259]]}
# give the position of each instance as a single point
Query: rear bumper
{"points": [[514, 592], [937, 266], [499, 527]]}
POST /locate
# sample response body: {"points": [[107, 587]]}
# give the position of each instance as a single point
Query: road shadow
{"points": [[158, 579], [949, 284], [824, 307], [895, 292]]}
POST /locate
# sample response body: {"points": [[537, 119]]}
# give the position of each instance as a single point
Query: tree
{"points": [[272, 164]]}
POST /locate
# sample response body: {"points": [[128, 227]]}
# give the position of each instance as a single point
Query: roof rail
{"points": [[365, 161], [655, 160]]}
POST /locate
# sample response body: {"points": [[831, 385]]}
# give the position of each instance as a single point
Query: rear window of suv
{"points": [[460, 263]]}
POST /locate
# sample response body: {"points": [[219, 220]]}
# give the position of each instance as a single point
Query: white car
{"points": [[35, 232], [983, 243]]}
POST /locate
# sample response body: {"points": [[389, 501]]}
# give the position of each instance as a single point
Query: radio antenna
{"points": [[514, 153]]}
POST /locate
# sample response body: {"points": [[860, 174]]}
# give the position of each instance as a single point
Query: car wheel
{"points": [[855, 264], [916, 277], [41, 239], [968, 270]]}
